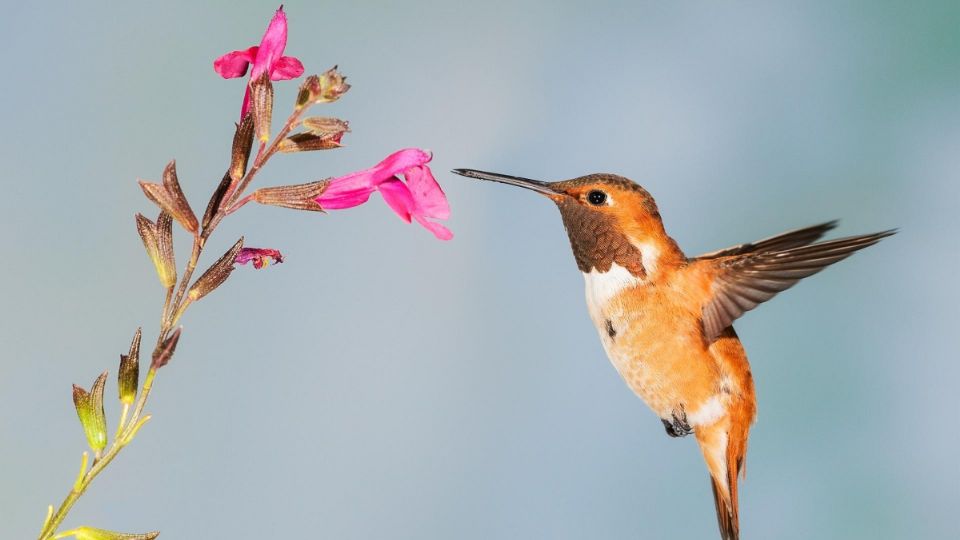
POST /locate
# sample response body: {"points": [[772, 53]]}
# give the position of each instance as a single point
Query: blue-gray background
{"points": [[381, 384]]}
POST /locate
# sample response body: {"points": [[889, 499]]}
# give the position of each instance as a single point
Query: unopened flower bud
{"points": [[89, 407], [322, 88], [242, 144], [165, 352], [128, 376], [217, 198], [332, 85], [309, 92]]}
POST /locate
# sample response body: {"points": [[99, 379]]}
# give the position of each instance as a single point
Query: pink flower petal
{"points": [[265, 58], [395, 163], [397, 195], [234, 64], [347, 186], [286, 67], [272, 45], [358, 181], [431, 202], [245, 106], [400, 161], [347, 199], [438, 230], [419, 197], [260, 257]]}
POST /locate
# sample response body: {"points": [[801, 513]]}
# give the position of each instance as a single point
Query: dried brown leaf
{"points": [[183, 214], [165, 352], [170, 204], [297, 197], [216, 274], [322, 126], [217, 198], [242, 145], [307, 142]]}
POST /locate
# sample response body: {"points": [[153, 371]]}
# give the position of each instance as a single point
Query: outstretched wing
{"points": [[787, 240], [742, 281]]}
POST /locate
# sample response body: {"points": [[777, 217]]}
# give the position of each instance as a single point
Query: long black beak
{"points": [[535, 185]]}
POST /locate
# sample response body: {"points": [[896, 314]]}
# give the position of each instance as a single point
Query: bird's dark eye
{"points": [[596, 197]]}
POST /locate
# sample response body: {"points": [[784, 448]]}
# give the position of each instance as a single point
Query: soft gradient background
{"points": [[381, 384]]}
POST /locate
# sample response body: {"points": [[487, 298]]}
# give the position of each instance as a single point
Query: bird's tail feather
{"points": [[726, 513], [724, 446]]}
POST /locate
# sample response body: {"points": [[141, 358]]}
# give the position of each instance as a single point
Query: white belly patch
{"points": [[602, 286]]}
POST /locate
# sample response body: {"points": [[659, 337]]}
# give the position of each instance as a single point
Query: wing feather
{"points": [[746, 277], [782, 241]]}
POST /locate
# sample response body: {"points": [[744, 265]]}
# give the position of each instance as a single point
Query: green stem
{"points": [[121, 437], [118, 444]]}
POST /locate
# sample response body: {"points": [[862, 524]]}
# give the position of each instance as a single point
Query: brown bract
{"points": [[306, 142], [128, 376], [261, 92], [216, 274], [164, 353], [297, 197], [170, 198]]}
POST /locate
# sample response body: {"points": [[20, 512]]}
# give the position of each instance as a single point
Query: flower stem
{"points": [[264, 155], [119, 442], [239, 204], [198, 242], [173, 307], [231, 201], [123, 435], [166, 306], [123, 417]]}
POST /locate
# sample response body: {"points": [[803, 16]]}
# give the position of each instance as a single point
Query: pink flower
{"points": [[419, 198], [261, 257], [266, 58]]}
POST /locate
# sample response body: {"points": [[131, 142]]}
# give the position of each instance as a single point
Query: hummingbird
{"points": [[666, 320]]}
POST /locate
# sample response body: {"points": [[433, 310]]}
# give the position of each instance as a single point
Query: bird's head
{"points": [[609, 219]]}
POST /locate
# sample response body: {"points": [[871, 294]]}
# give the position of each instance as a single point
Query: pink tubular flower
{"points": [[419, 198], [266, 58], [261, 257]]}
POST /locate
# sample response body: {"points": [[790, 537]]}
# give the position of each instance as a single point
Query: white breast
{"points": [[602, 286]]}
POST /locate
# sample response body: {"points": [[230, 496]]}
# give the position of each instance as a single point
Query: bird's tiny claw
{"points": [[677, 425]]}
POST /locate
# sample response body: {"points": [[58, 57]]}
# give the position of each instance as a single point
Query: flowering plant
{"points": [[416, 196]]}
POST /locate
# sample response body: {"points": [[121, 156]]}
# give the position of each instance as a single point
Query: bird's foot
{"points": [[677, 425]]}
